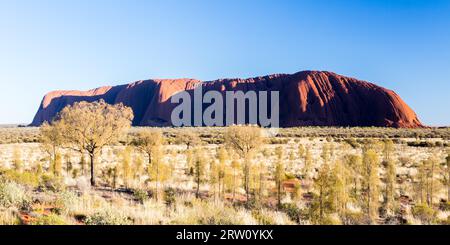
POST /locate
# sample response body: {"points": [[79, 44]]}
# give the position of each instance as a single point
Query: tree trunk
{"points": [[279, 193], [246, 187], [54, 161], [321, 203], [197, 194], [246, 181], [234, 184], [115, 179], [92, 156], [260, 191], [448, 193], [448, 184], [369, 200], [219, 191], [448, 178], [214, 193], [157, 181], [149, 159], [432, 184]]}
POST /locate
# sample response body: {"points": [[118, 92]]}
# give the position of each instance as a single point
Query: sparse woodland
{"points": [[90, 167]]}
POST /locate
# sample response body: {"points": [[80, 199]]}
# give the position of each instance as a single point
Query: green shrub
{"points": [[424, 213], [292, 211], [354, 218], [290, 176], [51, 219], [169, 196], [445, 206], [107, 217], [262, 218], [51, 183], [278, 141], [331, 220], [352, 142], [420, 144], [445, 221], [140, 195], [26, 178]]}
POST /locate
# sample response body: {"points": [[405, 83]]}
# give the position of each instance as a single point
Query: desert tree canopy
{"points": [[244, 140], [149, 142], [88, 127]]}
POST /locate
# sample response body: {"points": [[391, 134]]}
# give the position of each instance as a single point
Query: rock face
{"points": [[307, 98]]}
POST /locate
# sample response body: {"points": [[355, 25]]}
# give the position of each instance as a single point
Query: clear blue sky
{"points": [[50, 45]]}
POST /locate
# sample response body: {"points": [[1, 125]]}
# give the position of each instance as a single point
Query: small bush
{"points": [[67, 201], [107, 217], [27, 178], [445, 221], [352, 142], [331, 220], [424, 213], [169, 196], [13, 195], [420, 144], [292, 211], [278, 141], [9, 217], [445, 206], [354, 218], [262, 218], [140, 195], [204, 213], [51, 183], [51, 219]]}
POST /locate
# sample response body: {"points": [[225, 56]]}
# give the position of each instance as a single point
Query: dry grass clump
{"points": [[200, 212], [8, 216]]}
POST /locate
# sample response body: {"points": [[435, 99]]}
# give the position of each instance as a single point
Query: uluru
{"points": [[307, 98]]}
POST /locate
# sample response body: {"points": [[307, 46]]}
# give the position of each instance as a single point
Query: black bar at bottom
{"points": [[224, 234]]}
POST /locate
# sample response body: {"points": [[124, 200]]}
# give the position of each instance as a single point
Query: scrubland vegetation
{"points": [[89, 167]]}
